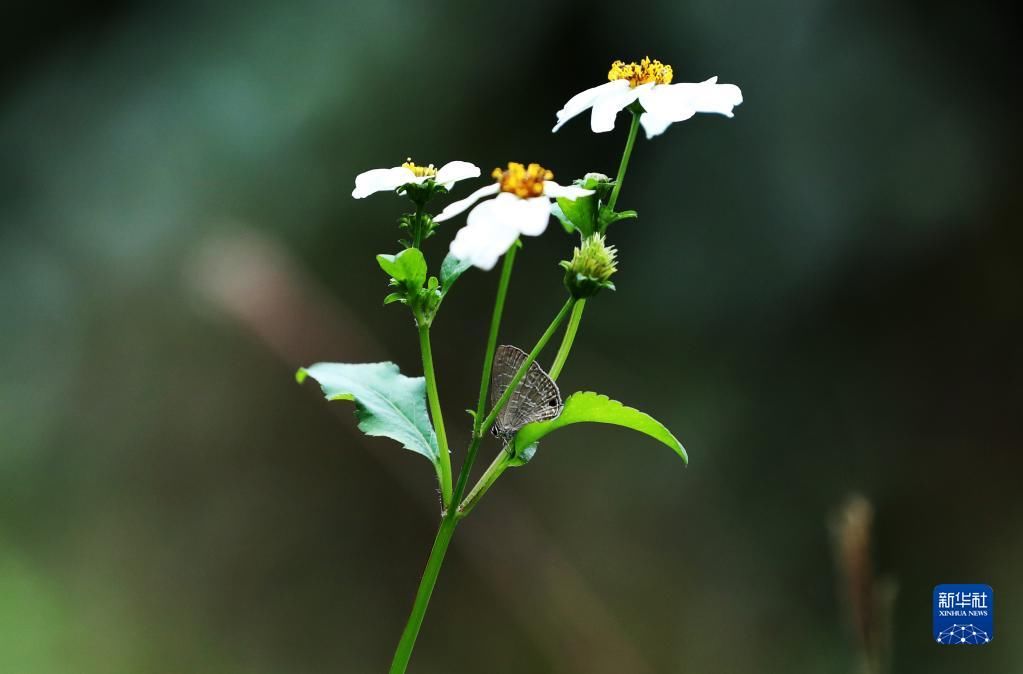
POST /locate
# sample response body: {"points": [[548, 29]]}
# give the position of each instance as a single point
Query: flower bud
{"points": [[592, 265], [592, 179]]}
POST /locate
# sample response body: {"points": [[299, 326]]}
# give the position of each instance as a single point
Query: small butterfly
{"points": [[536, 398]]}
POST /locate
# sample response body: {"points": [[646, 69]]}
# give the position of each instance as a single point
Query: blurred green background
{"points": [[822, 295]]}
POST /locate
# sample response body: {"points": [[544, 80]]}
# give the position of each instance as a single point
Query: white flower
{"points": [[522, 206], [390, 179], [649, 82]]}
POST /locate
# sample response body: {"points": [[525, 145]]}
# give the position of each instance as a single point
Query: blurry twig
{"points": [[253, 280], [870, 601]]}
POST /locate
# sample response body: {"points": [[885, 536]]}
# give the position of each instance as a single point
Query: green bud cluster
{"points": [[591, 267], [419, 225]]}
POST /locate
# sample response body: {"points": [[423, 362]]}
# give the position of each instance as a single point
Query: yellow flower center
{"points": [[644, 72], [420, 171], [522, 181]]}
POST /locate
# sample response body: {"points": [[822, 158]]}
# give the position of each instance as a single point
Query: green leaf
{"points": [[407, 267], [450, 269], [596, 408], [609, 216], [387, 403], [582, 213], [562, 218]]}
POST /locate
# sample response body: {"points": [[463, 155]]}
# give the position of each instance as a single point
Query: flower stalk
{"points": [[530, 359], [433, 398], [488, 366], [497, 467], [577, 313], [495, 326], [568, 339], [626, 155], [403, 653], [452, 515]]}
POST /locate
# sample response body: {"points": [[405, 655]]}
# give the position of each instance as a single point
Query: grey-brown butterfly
{"points": [[536, 398]]}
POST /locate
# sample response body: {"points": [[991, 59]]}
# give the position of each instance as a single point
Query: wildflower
{"points": [[391, 179], [522, 206], [648, 84], [591, 267]]}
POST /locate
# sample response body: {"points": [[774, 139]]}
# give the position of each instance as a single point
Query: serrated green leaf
{"points": [[581, 212], [387, 403], [592, 407], [407, 267], [450, 269]]}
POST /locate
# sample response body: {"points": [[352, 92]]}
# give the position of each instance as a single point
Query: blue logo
{"points": [[964, 614]]}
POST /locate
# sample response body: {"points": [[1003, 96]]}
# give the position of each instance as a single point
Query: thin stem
{"points": [[495, 325], [566, 341], [403, 653], [435, 412], [488, 365], [501, 463], [408, 637], [530, 359], [417, 221], [624, 164], [577, 312], [504, 458], [463, 475]]}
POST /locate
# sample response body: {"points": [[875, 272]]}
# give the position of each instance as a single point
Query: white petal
{"points": [[655, 126], [570, 192], [611, 102], [525, 216], [664, 105], [583, 101], [460, 206], [453, 171], [482, 243], [675, 100], [379, 180]]}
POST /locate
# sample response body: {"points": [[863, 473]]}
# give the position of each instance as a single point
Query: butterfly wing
{"points": [[507, 361], [536, 398]]}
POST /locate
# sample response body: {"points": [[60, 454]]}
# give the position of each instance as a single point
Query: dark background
{"points": [[822, 296]]}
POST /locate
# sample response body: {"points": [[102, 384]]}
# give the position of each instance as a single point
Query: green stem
{"points": [[530, 359], [500, 463], [495, 324], [403, 653], [633, 131], [408, 637], [417, 226], [566, 341], [435, 412], [488, 365], [577, 313], [503, 460]]}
